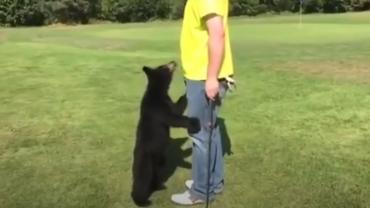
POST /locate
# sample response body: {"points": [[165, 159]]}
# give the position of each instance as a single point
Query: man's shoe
{"points": [[189, 184], [186, 199]]}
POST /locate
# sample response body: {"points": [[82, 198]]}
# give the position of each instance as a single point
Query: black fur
{"points": [[158, 114]]}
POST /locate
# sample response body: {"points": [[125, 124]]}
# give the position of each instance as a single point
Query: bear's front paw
{"points": [[194, 125], [183, 99], [182, 102]]}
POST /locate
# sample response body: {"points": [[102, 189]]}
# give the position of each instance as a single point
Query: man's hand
{"points": [[212, 88]]}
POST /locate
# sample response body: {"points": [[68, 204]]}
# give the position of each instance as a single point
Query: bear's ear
{"points": [[146, 70]]}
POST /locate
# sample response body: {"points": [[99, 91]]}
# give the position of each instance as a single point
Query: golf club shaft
{"points": [[211, 109]]}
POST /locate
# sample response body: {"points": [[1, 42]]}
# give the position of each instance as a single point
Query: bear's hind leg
{"points": [[158, 171], [142, 186]]}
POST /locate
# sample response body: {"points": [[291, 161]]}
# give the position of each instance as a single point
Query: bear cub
{"points": [[157, 114]]}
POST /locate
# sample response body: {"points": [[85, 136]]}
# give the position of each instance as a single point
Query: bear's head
{"points": [[160, 77]]}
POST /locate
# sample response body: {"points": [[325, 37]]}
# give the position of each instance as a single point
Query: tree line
{"points": [[44, 12]]}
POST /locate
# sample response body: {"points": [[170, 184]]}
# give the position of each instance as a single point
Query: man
{"points": [[207, 63]]}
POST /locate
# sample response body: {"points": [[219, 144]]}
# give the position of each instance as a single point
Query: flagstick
{"points": [[300, 13]]}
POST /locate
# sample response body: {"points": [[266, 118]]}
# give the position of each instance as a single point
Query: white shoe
{"points": [[185, 199], [189, 184]]}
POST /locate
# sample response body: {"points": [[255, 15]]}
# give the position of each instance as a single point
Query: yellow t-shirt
{"points": [[194, 39]]}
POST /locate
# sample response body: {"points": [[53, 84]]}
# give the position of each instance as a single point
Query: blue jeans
{"points": [[199, 107]]}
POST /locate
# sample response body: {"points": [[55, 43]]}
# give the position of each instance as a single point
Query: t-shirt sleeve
{"points": [[207, 7]]}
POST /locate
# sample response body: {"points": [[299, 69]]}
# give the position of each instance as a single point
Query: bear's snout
{"points": [[172, 65]]}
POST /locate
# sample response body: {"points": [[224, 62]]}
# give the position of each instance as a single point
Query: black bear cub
{"points": [[157, 114]]}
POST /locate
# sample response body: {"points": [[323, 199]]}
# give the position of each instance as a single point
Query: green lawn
{"points": [[298, 124]]}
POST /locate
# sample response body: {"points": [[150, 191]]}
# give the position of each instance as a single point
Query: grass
{"points": [[299, 123]]}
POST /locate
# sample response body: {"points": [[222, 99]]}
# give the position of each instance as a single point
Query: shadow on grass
{"points": [[175, 155], [225, 138]]}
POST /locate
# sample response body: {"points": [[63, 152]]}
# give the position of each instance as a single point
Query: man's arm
{"points": [[216, 48]]}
